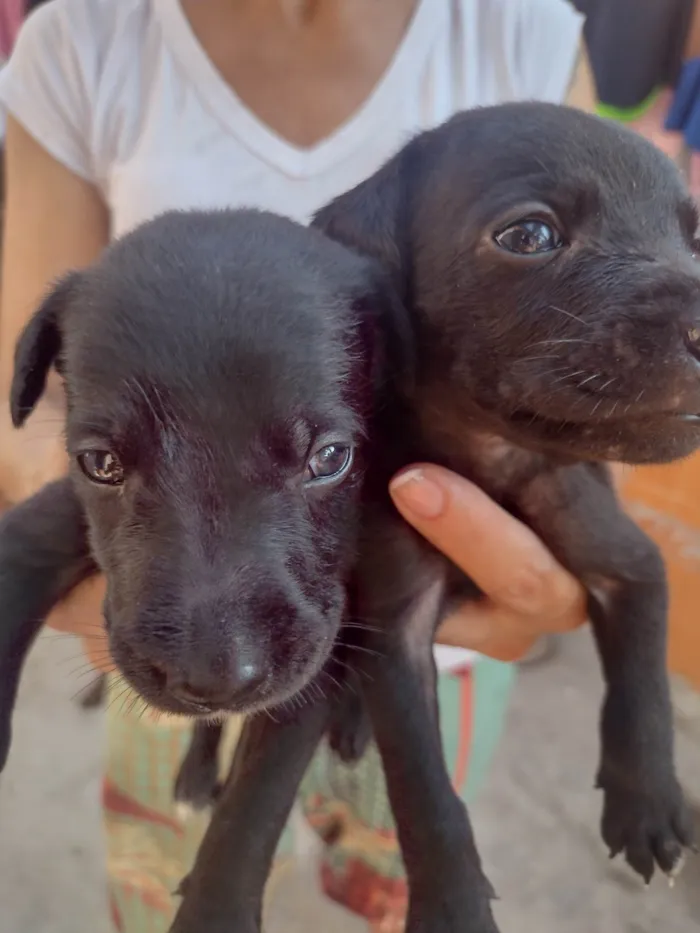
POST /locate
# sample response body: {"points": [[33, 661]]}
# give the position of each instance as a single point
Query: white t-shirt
{"points": [[122, 93]]}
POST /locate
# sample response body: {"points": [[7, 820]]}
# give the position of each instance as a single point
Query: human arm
{"points": [[54, 221]]}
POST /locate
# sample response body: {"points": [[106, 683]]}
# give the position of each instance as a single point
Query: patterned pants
{"points": [[149, 850]]}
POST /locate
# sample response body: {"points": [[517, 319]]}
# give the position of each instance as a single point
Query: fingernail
{"points": [[417, 494]]}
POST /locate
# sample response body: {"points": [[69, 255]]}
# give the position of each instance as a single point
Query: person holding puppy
{"points": [[120, 109]]}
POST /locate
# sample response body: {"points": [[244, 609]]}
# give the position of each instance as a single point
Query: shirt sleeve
{"points": [[549, 39], [45, 83]]}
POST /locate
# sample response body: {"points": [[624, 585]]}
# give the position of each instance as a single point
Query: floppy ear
{"points": [[374, 219], [390, 331], [38, 348]]}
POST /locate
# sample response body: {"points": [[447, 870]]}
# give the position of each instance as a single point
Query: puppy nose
{"points": [[216, 689]]}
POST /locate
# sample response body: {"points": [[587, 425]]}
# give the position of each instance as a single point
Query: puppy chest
{"points": [[497, 465]]}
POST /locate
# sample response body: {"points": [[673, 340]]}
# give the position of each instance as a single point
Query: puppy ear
{"points": [[394, 359], [374, 218], [38, 348]]}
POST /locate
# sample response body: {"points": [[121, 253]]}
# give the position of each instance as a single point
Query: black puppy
{"points": [[543, 256], [218, 372], [548, 262]]}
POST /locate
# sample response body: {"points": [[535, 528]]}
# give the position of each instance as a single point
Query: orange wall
{"points": [[665, 501]]}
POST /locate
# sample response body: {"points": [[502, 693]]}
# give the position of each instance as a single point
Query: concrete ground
{"points": [[536, 823]]}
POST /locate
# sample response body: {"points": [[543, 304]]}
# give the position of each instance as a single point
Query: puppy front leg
{"points": [[44, 553], [224, 892], [644, 814], [449, 892]]}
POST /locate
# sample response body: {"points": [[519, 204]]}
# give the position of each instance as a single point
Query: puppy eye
{"points": [[528, 237], [102, 467], [330, 462]]}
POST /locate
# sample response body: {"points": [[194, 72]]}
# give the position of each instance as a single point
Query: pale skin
{"points": [[303, 67]]}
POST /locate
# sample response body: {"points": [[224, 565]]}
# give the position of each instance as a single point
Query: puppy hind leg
{"points": [[350, 729], [197, 783]]}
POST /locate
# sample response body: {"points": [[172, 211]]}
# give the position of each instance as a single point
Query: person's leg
{"points": [[349, 809], [149, 848]]}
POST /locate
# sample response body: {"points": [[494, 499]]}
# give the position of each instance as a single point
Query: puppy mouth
{"points": [[150, 682], [649, 437], [527, 417]]}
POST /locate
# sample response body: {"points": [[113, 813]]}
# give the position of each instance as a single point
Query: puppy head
{"points": [[218, 384], [549, 258]]}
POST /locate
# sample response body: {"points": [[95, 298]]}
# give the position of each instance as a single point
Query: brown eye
{"points": [[101, 467], [529, 237], [331, 462]]}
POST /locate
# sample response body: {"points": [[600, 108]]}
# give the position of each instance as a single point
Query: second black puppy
{"points": [[548, 263]]}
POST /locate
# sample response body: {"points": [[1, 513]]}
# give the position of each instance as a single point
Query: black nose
{"points": [[212, 687], [692, 341]]}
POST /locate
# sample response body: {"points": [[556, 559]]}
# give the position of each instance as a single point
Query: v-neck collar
{"points": [[223, 102]]}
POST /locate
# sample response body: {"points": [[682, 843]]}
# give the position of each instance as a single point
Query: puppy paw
{"points": [[351, 729], [650, 830], [196, 787]]}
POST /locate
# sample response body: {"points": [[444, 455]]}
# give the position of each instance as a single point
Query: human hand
{"points": [[80, 613], [527, 592]]}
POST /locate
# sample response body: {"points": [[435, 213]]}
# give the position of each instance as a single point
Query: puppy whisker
{"points": [[82, 690], [560, 340], [333, 680], [134, 703], [557, 369], [361, 626], [355, 671], [606, 384], [363, 650], [118, 696], [573, 317], [569, 376], [589, 379], [144, 395]]}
